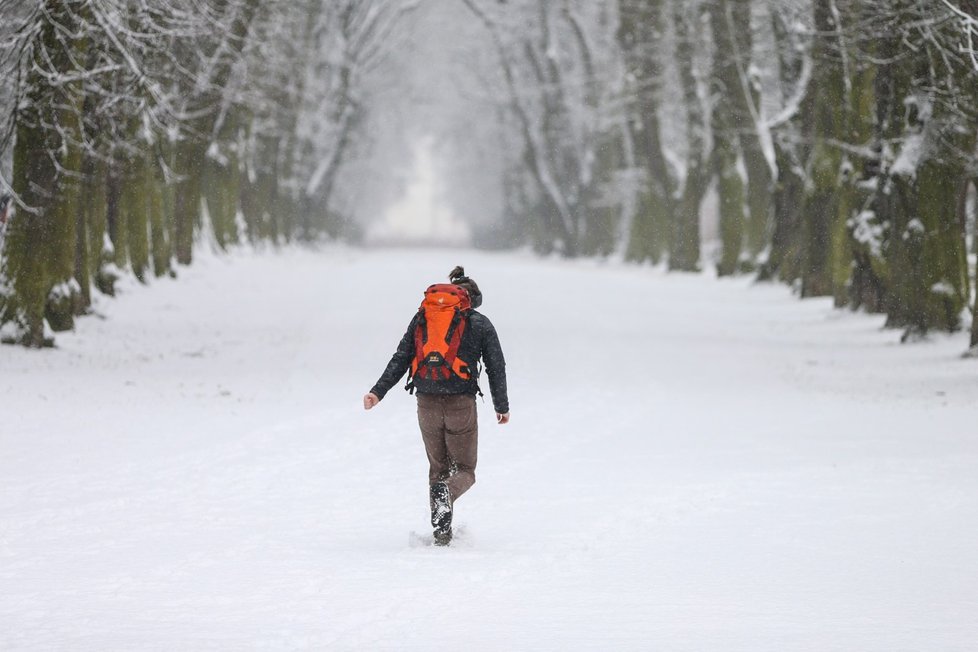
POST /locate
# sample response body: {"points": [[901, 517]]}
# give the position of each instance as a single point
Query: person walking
{"points": [[442, 348]]}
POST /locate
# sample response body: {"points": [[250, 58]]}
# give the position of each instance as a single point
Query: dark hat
{"points": [[458, 277]]}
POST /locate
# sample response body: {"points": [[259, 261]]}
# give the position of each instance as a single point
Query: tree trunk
{"points": [[684, 252], [134, 205], [602, 224], [188, 163], [974, 250], [729, 117], [83, 236], [745, 213], [95, 216], [221, 183], [931, 285], [730, 190], [858, 262], [927, 253], [825, 127], [158, 227], [639, 35], [784, 260], [41, 247]]}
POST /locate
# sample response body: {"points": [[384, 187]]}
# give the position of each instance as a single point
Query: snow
{"points": [[915, 228], [693, 464], [915, 145], [792, 105], [944, 288], [867, 231], [910, 156], [64, 290]]}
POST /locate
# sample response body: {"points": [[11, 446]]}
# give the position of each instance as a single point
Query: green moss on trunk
{"points": [[41, 246], [944, 286], [825, 125], [927, 253], [221, 179], [134, 202], [188, 161], [784, 261], [159, 231], [116, 215], [840, 252], [649, 231], [730, 190], [820, 212]]}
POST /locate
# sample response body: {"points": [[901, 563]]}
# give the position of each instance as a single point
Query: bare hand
{"points": [[502, 419], [369, 400]]}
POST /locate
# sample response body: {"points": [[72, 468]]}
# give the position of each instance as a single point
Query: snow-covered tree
{"points": [[558, 75], [129, 123]]}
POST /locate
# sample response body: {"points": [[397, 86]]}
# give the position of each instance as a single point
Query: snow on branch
{"points": [[969, 25]]}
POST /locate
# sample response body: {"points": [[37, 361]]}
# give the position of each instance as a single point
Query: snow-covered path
{"points": [[692, 465]]}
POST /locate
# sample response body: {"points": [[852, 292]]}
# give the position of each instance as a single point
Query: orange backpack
{"points": [[443, 317]]}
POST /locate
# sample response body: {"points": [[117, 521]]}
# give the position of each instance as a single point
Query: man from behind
{"points": [[442, 348]]}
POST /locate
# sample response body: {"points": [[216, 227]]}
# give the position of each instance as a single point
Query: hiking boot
{"points": [[443, 537], [441, 512]]}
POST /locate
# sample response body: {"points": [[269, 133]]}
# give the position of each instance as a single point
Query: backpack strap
{"points": [[456, 320], [454, 340], [420, 337]]}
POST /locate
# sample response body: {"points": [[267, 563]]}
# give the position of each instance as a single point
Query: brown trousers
{"points": [[450, 429]]}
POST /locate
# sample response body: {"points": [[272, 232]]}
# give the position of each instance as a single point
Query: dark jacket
{"points": [[479, 342]]}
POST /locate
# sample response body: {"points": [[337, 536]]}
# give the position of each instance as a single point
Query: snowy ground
{"points": [[692, 464]]}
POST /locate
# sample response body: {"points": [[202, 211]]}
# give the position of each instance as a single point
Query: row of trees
{"points": [[837, 139], [134, 127], [571, 169]]}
